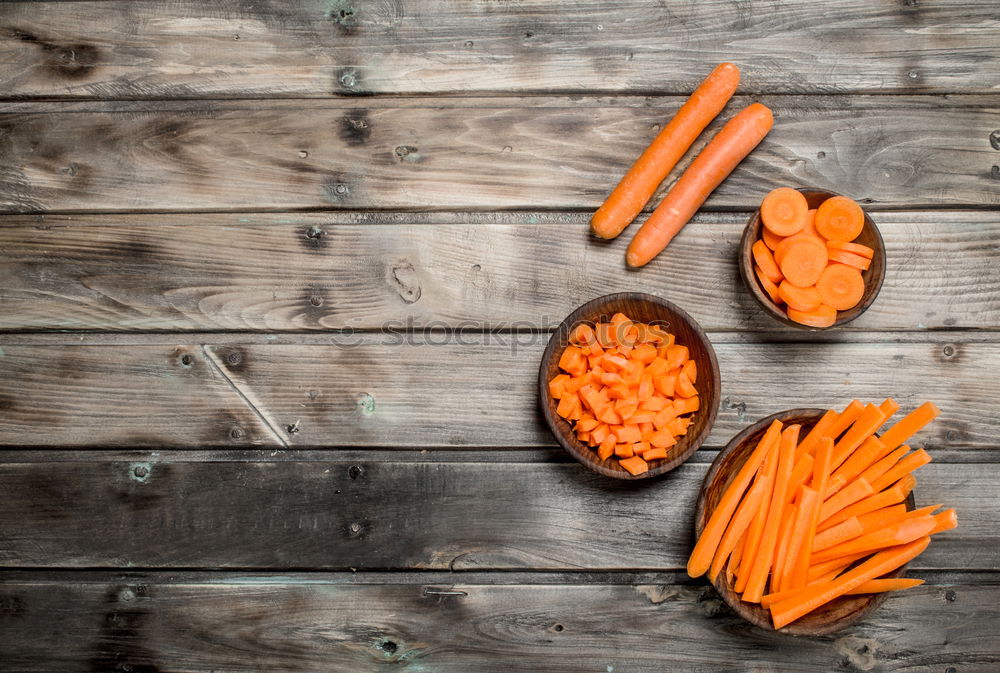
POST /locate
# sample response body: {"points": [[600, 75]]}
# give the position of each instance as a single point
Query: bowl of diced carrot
{"points": [[806, 520], [812, 258], [629, 385]]}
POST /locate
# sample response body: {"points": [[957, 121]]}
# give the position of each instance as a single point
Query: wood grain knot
{"points": [[403, 277]]}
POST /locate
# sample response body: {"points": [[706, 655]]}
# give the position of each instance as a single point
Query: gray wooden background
{"points": [[274, 282]]}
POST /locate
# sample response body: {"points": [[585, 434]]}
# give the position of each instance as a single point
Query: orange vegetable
{"points": [[840, 286], [889, 407], [654, 454], [684, 386], [810, 598], [715, 162], [796, 544], [883, 585], [883, 465], [820, 479], [945, 520], [882, 499], [803, 260], [846, 418], [853, 248], [784, 211], [640, 182], [739, 523], [765, 260], [898, 533], [768, 285], [765, 553], [557, 385], [635, 465], [849, 258], [870, 420], [704, 550], [859, 489], [839, 219], [824, 316], [788, 517], [756, 529], [864, 457], [770, 239], [799, 298], [690, 368], [822, 427], [905, 466], [836, 535], [909, 425]]}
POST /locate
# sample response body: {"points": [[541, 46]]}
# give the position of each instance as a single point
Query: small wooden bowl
{"points": [[837, 614], [873, 277], [640, 308]]}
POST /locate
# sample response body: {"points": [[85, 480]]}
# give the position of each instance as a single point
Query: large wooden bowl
{"points": [[835, 615], [640, 308], [873, 277]]}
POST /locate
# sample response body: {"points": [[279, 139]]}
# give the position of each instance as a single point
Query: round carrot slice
{"points": [[803, 260], [769, 287], [799, 298], [839, 219], [770, 238], [850, 258], [840, 286], [766, 262], [853, 248], [784, 211], [824, 316]]}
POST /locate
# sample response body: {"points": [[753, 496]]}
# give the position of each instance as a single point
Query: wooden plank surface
{"points": [[487, 154], [370, 515], [437, 389], [350, 47], [148, 625], [297, 271]]}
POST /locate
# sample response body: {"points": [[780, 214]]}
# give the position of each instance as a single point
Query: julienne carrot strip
{"points": [[649, 170], [768, 543], [859, 489], [890, 496], [740, 521], [801, 472], [788, 516], [803, 521], [870, 451], [767, 600], [831, 537], [822, 427], [898, 533], [716, 161], [907, 465], [883, 585], [889, 407], [846, 418], [884, 464], [945, 520], [820, 478], [711, 535], [909, 425], [870, 420], [835, 566], [756, 530], [886, 516], [810, 598]]}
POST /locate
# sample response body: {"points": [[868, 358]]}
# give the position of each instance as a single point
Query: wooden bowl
{"points": [[873, 277], [640, 308], [835, 615]]}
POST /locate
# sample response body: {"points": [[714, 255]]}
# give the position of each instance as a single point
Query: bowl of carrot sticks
{"points": [[806, 520], [629, 385], [811, 258]]}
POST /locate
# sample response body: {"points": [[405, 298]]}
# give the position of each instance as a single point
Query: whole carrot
{"points": [[726, 150], [649, 170]]}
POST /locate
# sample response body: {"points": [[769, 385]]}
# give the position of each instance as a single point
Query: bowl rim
{"points": [[772, 309], [564, 328], [738, 606]]}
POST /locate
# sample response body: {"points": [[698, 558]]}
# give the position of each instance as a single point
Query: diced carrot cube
{"points": [[577, 412], [583, 436], [654, 454], [657, 367], [665, 384], [626, 407], [624, 450], [664, 418], [633, 373], [691, 369], [640, 448], [628, 434], [664, 337], [577, 382], [646, 427], [613, 363], [684, 386], [582, 335], [611, 378], [592, 399], [634, 465], [676, 355], [653, 403], [663, 439], [677, 427], [600, 433], [606, 448], [587, 423], [644, 353], [646, 388], [641, 417], [685, 405], [605, 335], [609, 415], [567, 403], [557, 385], [618, 392]]}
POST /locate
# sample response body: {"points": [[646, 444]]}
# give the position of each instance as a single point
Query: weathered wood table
{"points": [[275, 278]]}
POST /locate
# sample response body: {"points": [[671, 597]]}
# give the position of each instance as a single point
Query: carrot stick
{"points": [[858, 489], [888, 497], [756, 530], [820, 478], [870, 420], [711, 535], [885, 516], [810, 598], [945, 520], [768, 543], [906, 483], [870, 451], [788, 516], [735, 558], [822, 427], [767, 600], [737, 527], [836, 566], [801, 472], [727, 149], [909, 425], [803, 521], [889, 407], [835, 535], [883, 585], [846, 418], [903, 467], [883, 465], [649, 170], [834, 484], [898, 533]]}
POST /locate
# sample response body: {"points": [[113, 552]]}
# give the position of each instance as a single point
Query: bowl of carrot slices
{"points": [[812, 258], [806, 520], [629, 385]]}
